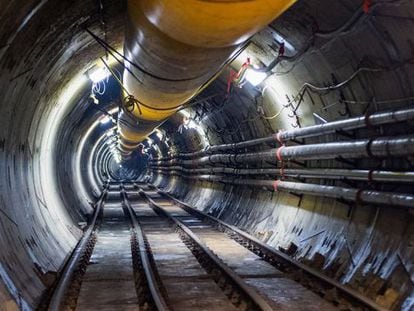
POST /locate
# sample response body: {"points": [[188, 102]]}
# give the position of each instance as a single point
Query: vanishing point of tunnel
{"points": [[206, 155]]}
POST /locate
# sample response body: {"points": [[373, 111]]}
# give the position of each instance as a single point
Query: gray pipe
{"points": [[338, 174], [379, 147], [376, 119], [351, 194]]}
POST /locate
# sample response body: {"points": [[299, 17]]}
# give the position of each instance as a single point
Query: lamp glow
{"points": [[255, 77], [98, 74], [105, 120], [159, 134], [192, 125]]}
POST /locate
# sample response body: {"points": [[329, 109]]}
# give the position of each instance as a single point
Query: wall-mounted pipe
{"points": [[376, 119], [379, 147], [317, 173], [175, 48], [351, 194]]}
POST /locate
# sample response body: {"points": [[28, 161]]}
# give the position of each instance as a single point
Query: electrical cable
{"points": [[136, 102], [276, 115], [318, 89], [109, 48], [333, 87], [99, 88], [380, 102], [349, 26]]}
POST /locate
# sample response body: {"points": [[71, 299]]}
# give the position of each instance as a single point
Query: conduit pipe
{"points": [[379, 147], [336, 174], [372, 120], [176, 47], [351, 194]]}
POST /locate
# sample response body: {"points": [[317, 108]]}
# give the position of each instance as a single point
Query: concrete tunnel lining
{"points": [[47, 182]]}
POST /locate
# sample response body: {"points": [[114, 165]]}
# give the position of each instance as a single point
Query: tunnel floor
{"points": [[108, 283], [149, 251]]}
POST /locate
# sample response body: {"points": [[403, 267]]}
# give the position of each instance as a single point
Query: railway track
{"points": [[145, 250]]}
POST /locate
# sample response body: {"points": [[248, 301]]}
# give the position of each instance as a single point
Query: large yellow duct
{"points": [[178, 46]]}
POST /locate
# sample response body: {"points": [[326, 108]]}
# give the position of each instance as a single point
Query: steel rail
{"points": [[151, 279], [266, 251], [249, 292], [62, 286]]}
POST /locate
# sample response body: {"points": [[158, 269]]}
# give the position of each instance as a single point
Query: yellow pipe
{"points": [[179, 45], [211, 24]]}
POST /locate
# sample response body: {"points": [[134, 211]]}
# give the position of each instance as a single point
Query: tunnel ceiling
{"points": [[341, 59]]}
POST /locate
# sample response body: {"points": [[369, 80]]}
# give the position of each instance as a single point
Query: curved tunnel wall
{"points": [[366, 246], [43, 55], [47, 182]]}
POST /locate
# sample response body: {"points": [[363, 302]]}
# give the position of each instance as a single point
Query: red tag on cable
{"points": [[235, 75], [366, 6], [275, 184], [232, 75]]}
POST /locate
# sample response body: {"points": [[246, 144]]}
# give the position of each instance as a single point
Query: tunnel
{"points": [[251, 155]]}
